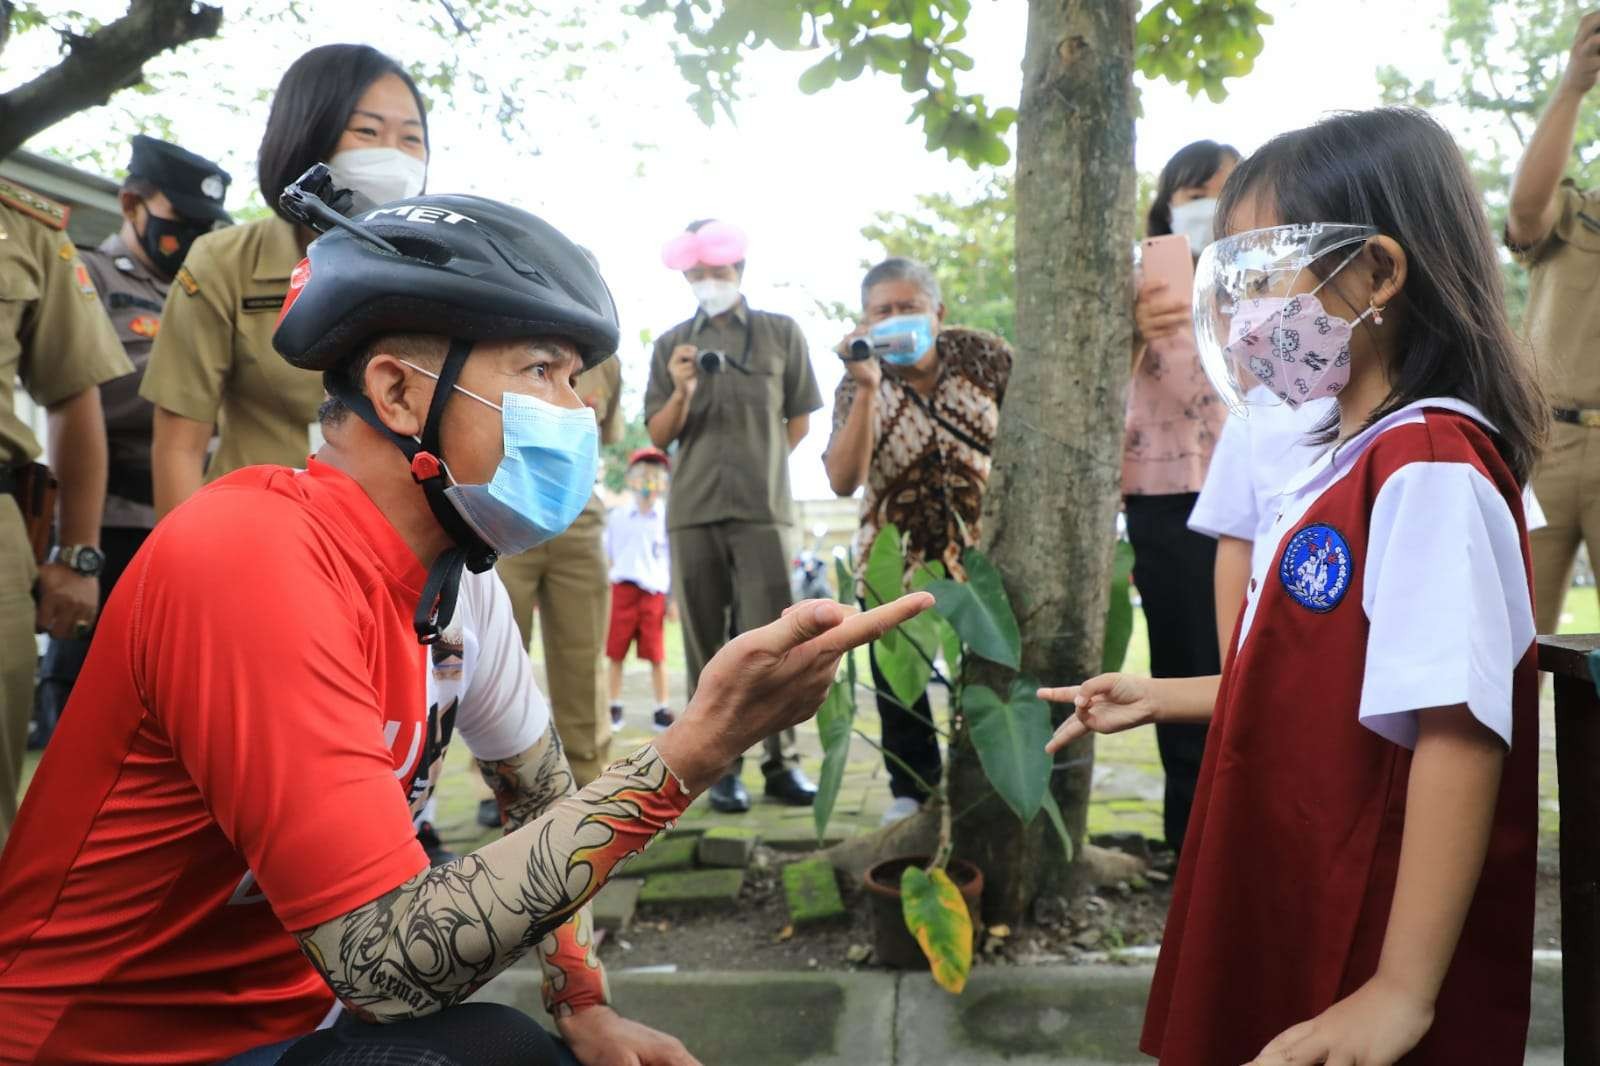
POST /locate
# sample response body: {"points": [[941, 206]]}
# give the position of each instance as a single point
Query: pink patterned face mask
{"points": [[1293, 345]]}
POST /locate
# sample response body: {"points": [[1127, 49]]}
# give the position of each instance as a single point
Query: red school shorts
{"points": [[636, 613]]}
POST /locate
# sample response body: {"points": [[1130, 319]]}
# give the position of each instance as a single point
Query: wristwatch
{"points": [[85, 560]]}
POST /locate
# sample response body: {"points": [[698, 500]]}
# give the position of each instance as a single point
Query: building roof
{"points": [[93, 198]]}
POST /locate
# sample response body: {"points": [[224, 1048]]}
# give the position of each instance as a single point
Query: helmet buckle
{"points": [[425, 466]]}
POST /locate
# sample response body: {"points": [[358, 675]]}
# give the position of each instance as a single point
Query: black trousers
{"points": [[471, 1034], [908, 736], [1172, 567], [58, 670]]}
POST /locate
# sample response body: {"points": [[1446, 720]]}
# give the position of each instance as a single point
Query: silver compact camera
{"points": [[711, 361]]}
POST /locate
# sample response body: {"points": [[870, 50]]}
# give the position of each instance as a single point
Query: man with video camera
{"points": [[733, 388], [914, 421]]}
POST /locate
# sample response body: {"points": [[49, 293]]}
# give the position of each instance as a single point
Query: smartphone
{"points": [[1168, 259]]}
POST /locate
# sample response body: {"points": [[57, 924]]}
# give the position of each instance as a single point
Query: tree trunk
{"points": [[1050, 512], [96, 66]]}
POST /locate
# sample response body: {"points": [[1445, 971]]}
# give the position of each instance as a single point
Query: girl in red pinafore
{"points": [[1357, 881]]}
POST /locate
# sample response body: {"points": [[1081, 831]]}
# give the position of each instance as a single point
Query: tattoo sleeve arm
{"points": [[525, 786], [433, 941]]}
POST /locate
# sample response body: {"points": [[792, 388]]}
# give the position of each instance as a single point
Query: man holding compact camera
{"points": [[732, 387], [914, 420]]}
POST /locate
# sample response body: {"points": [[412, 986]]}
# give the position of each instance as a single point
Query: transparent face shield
{"points": [[1259, 320]]}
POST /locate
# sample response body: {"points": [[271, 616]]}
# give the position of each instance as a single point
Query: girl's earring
{"points": [[1377, 313]]}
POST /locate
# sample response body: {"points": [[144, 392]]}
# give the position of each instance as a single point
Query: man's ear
{"points": [[399, 395], [1388, 267], [131, 204], [938, 316]]}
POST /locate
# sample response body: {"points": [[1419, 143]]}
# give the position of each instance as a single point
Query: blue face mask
{"points": [[909, 337], [544, 480]]}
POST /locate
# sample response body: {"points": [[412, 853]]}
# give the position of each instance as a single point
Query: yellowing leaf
{"points": [[937, 916]]}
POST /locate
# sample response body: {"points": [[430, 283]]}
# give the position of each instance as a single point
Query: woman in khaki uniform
{"points": [[213, 365]]}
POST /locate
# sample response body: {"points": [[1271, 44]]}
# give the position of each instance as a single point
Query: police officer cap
{"points": [[195, 185]]}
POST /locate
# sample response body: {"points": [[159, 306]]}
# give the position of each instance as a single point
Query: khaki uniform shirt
{"points": [[732, 463], [602, 387], [1563, 319], [133, 297], [54, 335], [213, 360]]}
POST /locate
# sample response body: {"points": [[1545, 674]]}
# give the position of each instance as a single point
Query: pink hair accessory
{"points": [[714, 244]]}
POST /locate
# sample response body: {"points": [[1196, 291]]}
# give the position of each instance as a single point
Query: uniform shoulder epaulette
{"points": [[33, 205]]}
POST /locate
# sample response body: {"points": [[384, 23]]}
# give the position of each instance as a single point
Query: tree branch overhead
{"points": [[97, 65]]}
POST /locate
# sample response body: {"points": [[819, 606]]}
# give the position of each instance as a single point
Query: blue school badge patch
{"points": [[1315, 568]]}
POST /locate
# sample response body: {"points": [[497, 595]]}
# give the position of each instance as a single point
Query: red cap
{"points": [[650, 455]]}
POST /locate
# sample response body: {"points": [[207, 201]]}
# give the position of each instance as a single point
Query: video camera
{"points": [[863, 348]]}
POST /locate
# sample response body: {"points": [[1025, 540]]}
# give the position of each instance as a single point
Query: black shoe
{"points": [[438, 854], [662, 719], [791, 786], [616, 716], [489, 814], [729, 796]]}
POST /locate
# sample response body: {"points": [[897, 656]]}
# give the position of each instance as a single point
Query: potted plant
{"points": [[916, 900]]}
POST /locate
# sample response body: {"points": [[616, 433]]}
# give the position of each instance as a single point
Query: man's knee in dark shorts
{"points": [[472, 1034]]}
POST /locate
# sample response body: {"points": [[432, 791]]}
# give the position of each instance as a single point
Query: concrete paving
{"points": [[1038, 1016]]}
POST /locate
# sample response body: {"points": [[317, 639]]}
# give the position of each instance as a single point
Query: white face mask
{"points": [[714, 295], [1195, 220], [379, 174]]}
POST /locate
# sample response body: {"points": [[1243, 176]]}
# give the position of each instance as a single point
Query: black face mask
{"points": [[167, 242]]}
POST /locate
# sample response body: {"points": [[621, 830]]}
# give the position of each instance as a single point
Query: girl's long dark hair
{"points": [[1193, 164], [312, 106], [1398, 170]]}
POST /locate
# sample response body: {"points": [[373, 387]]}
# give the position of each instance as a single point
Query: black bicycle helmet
{"points": [[461, 267]]}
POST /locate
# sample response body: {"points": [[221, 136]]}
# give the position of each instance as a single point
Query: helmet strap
{"points": [[438, 601]]}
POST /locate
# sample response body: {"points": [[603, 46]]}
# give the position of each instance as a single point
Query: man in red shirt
{"points": [[217, 858]]}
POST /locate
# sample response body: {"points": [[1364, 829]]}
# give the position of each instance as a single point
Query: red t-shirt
{"points": [[226, 771]]}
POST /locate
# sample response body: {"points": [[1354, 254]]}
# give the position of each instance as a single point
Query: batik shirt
{"points": [[931, 456]]}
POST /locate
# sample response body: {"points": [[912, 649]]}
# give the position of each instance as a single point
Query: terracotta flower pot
{"points": [[892, 943]]}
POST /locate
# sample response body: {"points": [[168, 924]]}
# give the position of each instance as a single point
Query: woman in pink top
{"points": [[1174, 420]]}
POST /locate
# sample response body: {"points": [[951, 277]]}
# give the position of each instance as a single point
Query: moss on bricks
{"points": [[727, 845], [812, 891], [692, 889], [665, 855]]}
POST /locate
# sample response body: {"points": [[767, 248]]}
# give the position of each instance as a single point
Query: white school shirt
{"points": [[1445, 588], [636, 544], [1259, 451]]}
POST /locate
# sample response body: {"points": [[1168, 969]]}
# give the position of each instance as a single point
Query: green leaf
{"points": [[834, 720], [1119, 611], [1052, 809], [902, 664], [944, 633], [1009, 738], [938, 917], [816, 78], [846, 582], [886, 567], [979, 611]]}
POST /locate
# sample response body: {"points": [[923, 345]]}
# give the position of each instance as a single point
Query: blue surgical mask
{"points": [[543, 482], [909, 338]]}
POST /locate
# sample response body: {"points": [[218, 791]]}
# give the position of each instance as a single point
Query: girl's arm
{"points": [[1111, 703], [1230, 581], [1450, 801]]}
